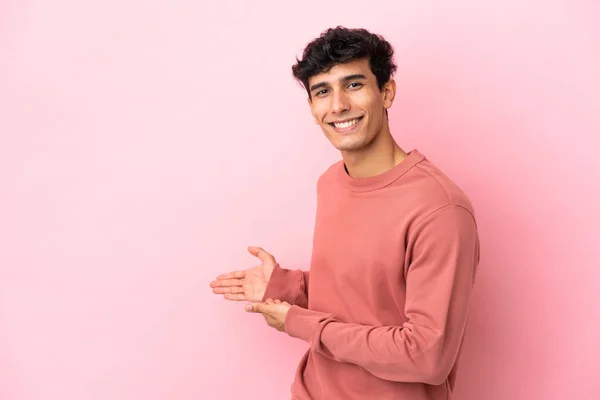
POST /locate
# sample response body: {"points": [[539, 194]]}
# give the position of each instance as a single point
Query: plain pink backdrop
{"points": [[145, 144]]}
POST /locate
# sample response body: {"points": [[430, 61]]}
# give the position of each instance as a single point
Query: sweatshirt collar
{"points": [[379, 181]]}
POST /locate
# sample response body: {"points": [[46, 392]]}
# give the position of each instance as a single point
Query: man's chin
{"points": [[352, 146], [349, 143]]}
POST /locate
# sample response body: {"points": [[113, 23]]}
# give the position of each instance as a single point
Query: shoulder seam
{"points": [[437, 180], [441, 208]]}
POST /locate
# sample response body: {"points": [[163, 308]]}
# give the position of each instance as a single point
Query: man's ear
{"points": [[389, 93]]}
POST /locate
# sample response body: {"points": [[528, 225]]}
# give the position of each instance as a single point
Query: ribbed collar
{"points": [[378, 181]]}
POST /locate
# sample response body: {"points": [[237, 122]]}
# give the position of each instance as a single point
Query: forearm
{"points": [[288, 285], [406, 353]]}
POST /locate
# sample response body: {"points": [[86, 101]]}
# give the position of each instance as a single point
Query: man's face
{"points": [[348, 105]]}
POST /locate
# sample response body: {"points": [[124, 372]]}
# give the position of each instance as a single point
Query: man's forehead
{"points": [[341, 70]]}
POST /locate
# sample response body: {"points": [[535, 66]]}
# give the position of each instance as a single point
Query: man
{"points": [[385, 302]]}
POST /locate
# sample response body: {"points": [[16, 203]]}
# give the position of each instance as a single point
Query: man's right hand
{"points": [[249, 284]]}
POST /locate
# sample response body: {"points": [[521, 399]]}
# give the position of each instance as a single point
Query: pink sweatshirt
{"points": [[385, 303]]}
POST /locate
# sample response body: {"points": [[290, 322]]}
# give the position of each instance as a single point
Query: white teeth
{"points": [[344, 125]]}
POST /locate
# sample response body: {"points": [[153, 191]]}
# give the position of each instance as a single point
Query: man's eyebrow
{"points": [[318, 85], [342, 80], [352, 77]]}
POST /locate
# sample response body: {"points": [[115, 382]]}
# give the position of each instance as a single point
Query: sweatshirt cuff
{"points": [[282, 285], [302, 323]]}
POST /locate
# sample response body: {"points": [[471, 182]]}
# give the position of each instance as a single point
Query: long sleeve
{"points": [[444, 250], [288, 285]]}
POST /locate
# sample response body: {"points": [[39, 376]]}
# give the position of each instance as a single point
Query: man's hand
{"points": [[249, 284], [274, 312]]}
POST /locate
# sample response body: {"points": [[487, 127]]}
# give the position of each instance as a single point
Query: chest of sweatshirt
{"points": [[361, 249]]}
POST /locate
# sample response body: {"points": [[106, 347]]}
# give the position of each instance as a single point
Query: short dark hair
{"points": [[341, 45]]}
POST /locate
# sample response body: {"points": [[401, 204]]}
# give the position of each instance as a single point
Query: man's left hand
{"points": [[274, 312]]}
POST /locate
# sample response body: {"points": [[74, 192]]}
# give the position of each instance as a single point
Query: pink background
{"points": [[145, 144]]}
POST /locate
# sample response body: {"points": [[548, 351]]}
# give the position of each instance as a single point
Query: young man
{"points": [[385, 302]]}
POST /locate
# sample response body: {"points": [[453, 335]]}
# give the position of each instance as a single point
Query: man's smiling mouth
{"points": [[345, 124]]}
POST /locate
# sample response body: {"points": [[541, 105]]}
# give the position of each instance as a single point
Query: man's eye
{"points": [[321, 92], [356, 84]]}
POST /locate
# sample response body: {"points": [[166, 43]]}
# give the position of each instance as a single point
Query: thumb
{"points": [[254, 307], [262, 308], [260, 253]]}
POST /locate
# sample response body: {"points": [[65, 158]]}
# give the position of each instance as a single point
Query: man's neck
{"points": [[380, 156]]}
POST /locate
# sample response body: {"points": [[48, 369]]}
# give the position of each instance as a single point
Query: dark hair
{"points": [[341, 45]]}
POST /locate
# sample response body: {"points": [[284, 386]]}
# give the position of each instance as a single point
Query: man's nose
{"points": [[339, 103]]}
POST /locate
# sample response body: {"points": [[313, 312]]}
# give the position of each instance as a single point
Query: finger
{"points": [[260, 253], [231, 275], [277, 301], [229, 289], [269, 301], [235, 296], [226, 282], [262, 308]]}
